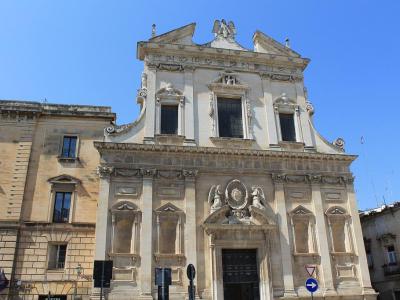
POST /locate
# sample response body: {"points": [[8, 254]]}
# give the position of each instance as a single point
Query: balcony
{"points": [[391, 269]]}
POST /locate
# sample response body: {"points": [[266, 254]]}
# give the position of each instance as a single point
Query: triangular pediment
{"points": [[265, 44], [169, 208], [64, 179], [300, 211], [182, 35]]}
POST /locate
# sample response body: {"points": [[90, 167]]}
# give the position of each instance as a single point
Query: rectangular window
{"points": [[287, 127], [69, 147], [230, 123], [392, 259], [169, 119], [57, 256], [62, 204]]}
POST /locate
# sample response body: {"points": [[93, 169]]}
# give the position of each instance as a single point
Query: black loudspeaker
{"points": [[102, 273]]}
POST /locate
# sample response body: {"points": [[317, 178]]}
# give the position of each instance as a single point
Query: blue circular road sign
{"points": [[312, 285]]}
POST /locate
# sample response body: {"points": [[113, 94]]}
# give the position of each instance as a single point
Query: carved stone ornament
{"points": [[148, 173], [169, 92], [339, 142], [189, 174], [278, 178], [236, 194], [104, 171], [284, 100], [237, 197], [224, 30], [309, 108]]}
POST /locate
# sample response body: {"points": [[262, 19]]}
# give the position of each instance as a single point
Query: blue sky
{"points": [[84, 52]]}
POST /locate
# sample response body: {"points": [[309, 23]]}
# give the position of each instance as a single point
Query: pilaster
{"points": [[190, 228], [189, 107], [284, 238], [363, 272], [146, 236], [150, 105], [102, 216], [271, 123], [327, 285], [303, 116]]}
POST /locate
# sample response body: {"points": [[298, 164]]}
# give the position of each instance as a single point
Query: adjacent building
{"points": [[48, 197], [381, 230], [223, 169]]}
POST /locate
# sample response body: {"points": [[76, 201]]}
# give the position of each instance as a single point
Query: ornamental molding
{"points": [[180, 63], [312, 179], [104, 147]]}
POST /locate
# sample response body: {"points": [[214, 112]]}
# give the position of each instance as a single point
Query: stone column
{"points": [[327, 287], [146, 235], [189, 107], [190, 231], [269, 106], [284, 236], [363, 272]]}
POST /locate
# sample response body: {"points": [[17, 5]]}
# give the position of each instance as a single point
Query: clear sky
{"points": [[84, 52]]}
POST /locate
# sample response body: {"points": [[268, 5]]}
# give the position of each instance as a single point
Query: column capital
{"points": [[148, 173], [104, 172], [278, 177], [314, 179], [189, 174]]}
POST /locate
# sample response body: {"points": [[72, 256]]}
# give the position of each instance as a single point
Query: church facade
{"points": [[224, 169]]}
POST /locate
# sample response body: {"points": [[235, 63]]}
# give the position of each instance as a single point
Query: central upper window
{"points": [[230, 120], [169, 119]]}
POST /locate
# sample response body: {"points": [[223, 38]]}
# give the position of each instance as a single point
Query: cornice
{"points": [[144, 48], [103, 147]]}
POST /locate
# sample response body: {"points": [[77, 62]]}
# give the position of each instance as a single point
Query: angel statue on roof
{"points": [[225, 30]]}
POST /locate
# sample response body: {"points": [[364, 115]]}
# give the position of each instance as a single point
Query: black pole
{"points": [[312, 296], [102, 281]]}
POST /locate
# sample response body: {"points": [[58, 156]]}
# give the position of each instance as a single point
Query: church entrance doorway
{"points": [[240, 276]]}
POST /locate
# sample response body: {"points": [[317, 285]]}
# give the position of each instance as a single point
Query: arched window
{"points": [[303, 229]]}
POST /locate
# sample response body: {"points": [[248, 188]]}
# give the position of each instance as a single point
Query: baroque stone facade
{"points": [[224, 169]]}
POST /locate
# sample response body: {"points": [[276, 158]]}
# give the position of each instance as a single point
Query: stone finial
{"points": [[153, 30], [287, 43]]}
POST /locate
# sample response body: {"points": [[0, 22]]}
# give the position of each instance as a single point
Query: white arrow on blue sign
{"points": [[312, 285]]}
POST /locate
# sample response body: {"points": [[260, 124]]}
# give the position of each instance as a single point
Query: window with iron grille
{"points": [[287, 127], [169, 119], [69, 147], [230, 123], [57, 253], [62, 205]]}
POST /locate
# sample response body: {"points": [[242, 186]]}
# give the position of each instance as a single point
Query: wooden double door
{"points": [[240, 274]]}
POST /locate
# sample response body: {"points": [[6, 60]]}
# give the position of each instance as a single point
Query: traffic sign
{"points": [[312, 285], [310, 270]]}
